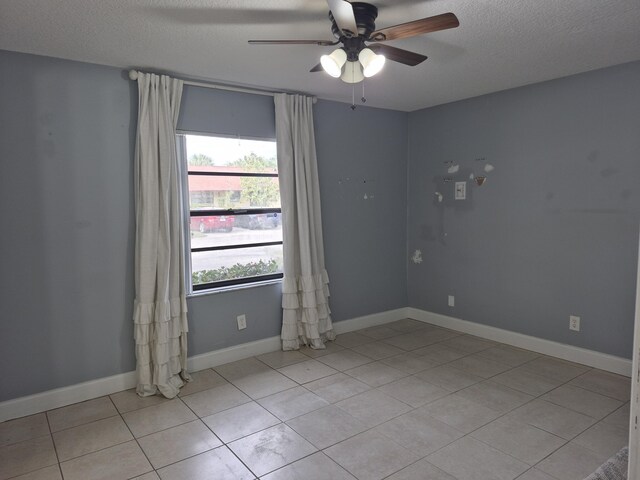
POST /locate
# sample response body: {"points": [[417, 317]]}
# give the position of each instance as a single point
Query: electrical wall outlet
{"points": [[452, 301], [242, 321], [574, 323]]}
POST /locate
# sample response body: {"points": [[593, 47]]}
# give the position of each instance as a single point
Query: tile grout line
{"points": [[224, 444], [55, 448], [134, 438]]}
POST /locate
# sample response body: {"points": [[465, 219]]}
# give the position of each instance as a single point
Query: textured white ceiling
{"points": [[500, 44]]}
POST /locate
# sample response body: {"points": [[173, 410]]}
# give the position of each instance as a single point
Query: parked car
{"points": [[213, 223], [259, 220]]}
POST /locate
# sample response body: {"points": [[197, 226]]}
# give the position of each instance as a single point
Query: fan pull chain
{"points": [[364, 100], [353, 96]]}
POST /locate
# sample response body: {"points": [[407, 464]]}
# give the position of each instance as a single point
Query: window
{"points": [[235, 222]]}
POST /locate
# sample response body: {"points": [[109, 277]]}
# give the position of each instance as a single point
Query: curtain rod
{"points": [[133, 75]]}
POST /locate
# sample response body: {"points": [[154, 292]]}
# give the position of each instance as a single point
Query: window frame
{"points": [[223, 285]]}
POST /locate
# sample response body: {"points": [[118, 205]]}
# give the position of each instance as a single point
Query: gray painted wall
{"points": [[554, 230], [363, 152], [66, 206], [66, 210]]}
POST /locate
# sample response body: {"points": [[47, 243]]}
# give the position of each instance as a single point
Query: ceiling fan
{"points": [[361, 54]]}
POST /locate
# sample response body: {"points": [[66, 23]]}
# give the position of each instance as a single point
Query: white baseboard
{"points": [[603, 361], [372, 320], [80, 392], [232, 354], [59, 397]]}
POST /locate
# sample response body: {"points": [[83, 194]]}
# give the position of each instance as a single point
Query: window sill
{"points": [[233, 288]]}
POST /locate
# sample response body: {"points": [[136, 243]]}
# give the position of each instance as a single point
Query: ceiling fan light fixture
{"points": [[371, 62], [352, 73], [332, 64]]}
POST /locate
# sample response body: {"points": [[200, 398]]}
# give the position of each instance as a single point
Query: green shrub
{"points": [[239, 270]]}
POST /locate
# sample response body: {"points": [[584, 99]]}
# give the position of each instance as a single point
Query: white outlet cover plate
{"points": [[574, 323], [461, 190], [452, 301]]}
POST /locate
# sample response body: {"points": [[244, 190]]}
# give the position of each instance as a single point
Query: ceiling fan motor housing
{"points": [[353, 46], [365, 14]]}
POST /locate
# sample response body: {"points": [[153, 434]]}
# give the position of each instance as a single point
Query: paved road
{"points": [[236, 236], [217, 259]]}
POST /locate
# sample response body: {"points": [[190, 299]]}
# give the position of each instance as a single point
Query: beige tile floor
{"points": [[402, 401]]}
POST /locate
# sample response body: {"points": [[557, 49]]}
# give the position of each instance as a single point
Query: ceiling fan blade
{"points": [[342, 12], [292, 42], [398, 55], [317, 68], [417, 27]]}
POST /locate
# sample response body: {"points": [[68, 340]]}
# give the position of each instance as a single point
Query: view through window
{"points": [[235, 219]]}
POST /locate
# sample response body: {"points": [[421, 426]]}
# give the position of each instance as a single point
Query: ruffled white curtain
{"points": [[160, 310], [306, 316]]}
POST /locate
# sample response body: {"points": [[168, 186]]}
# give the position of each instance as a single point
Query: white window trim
{"points": [[181, 150]]}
